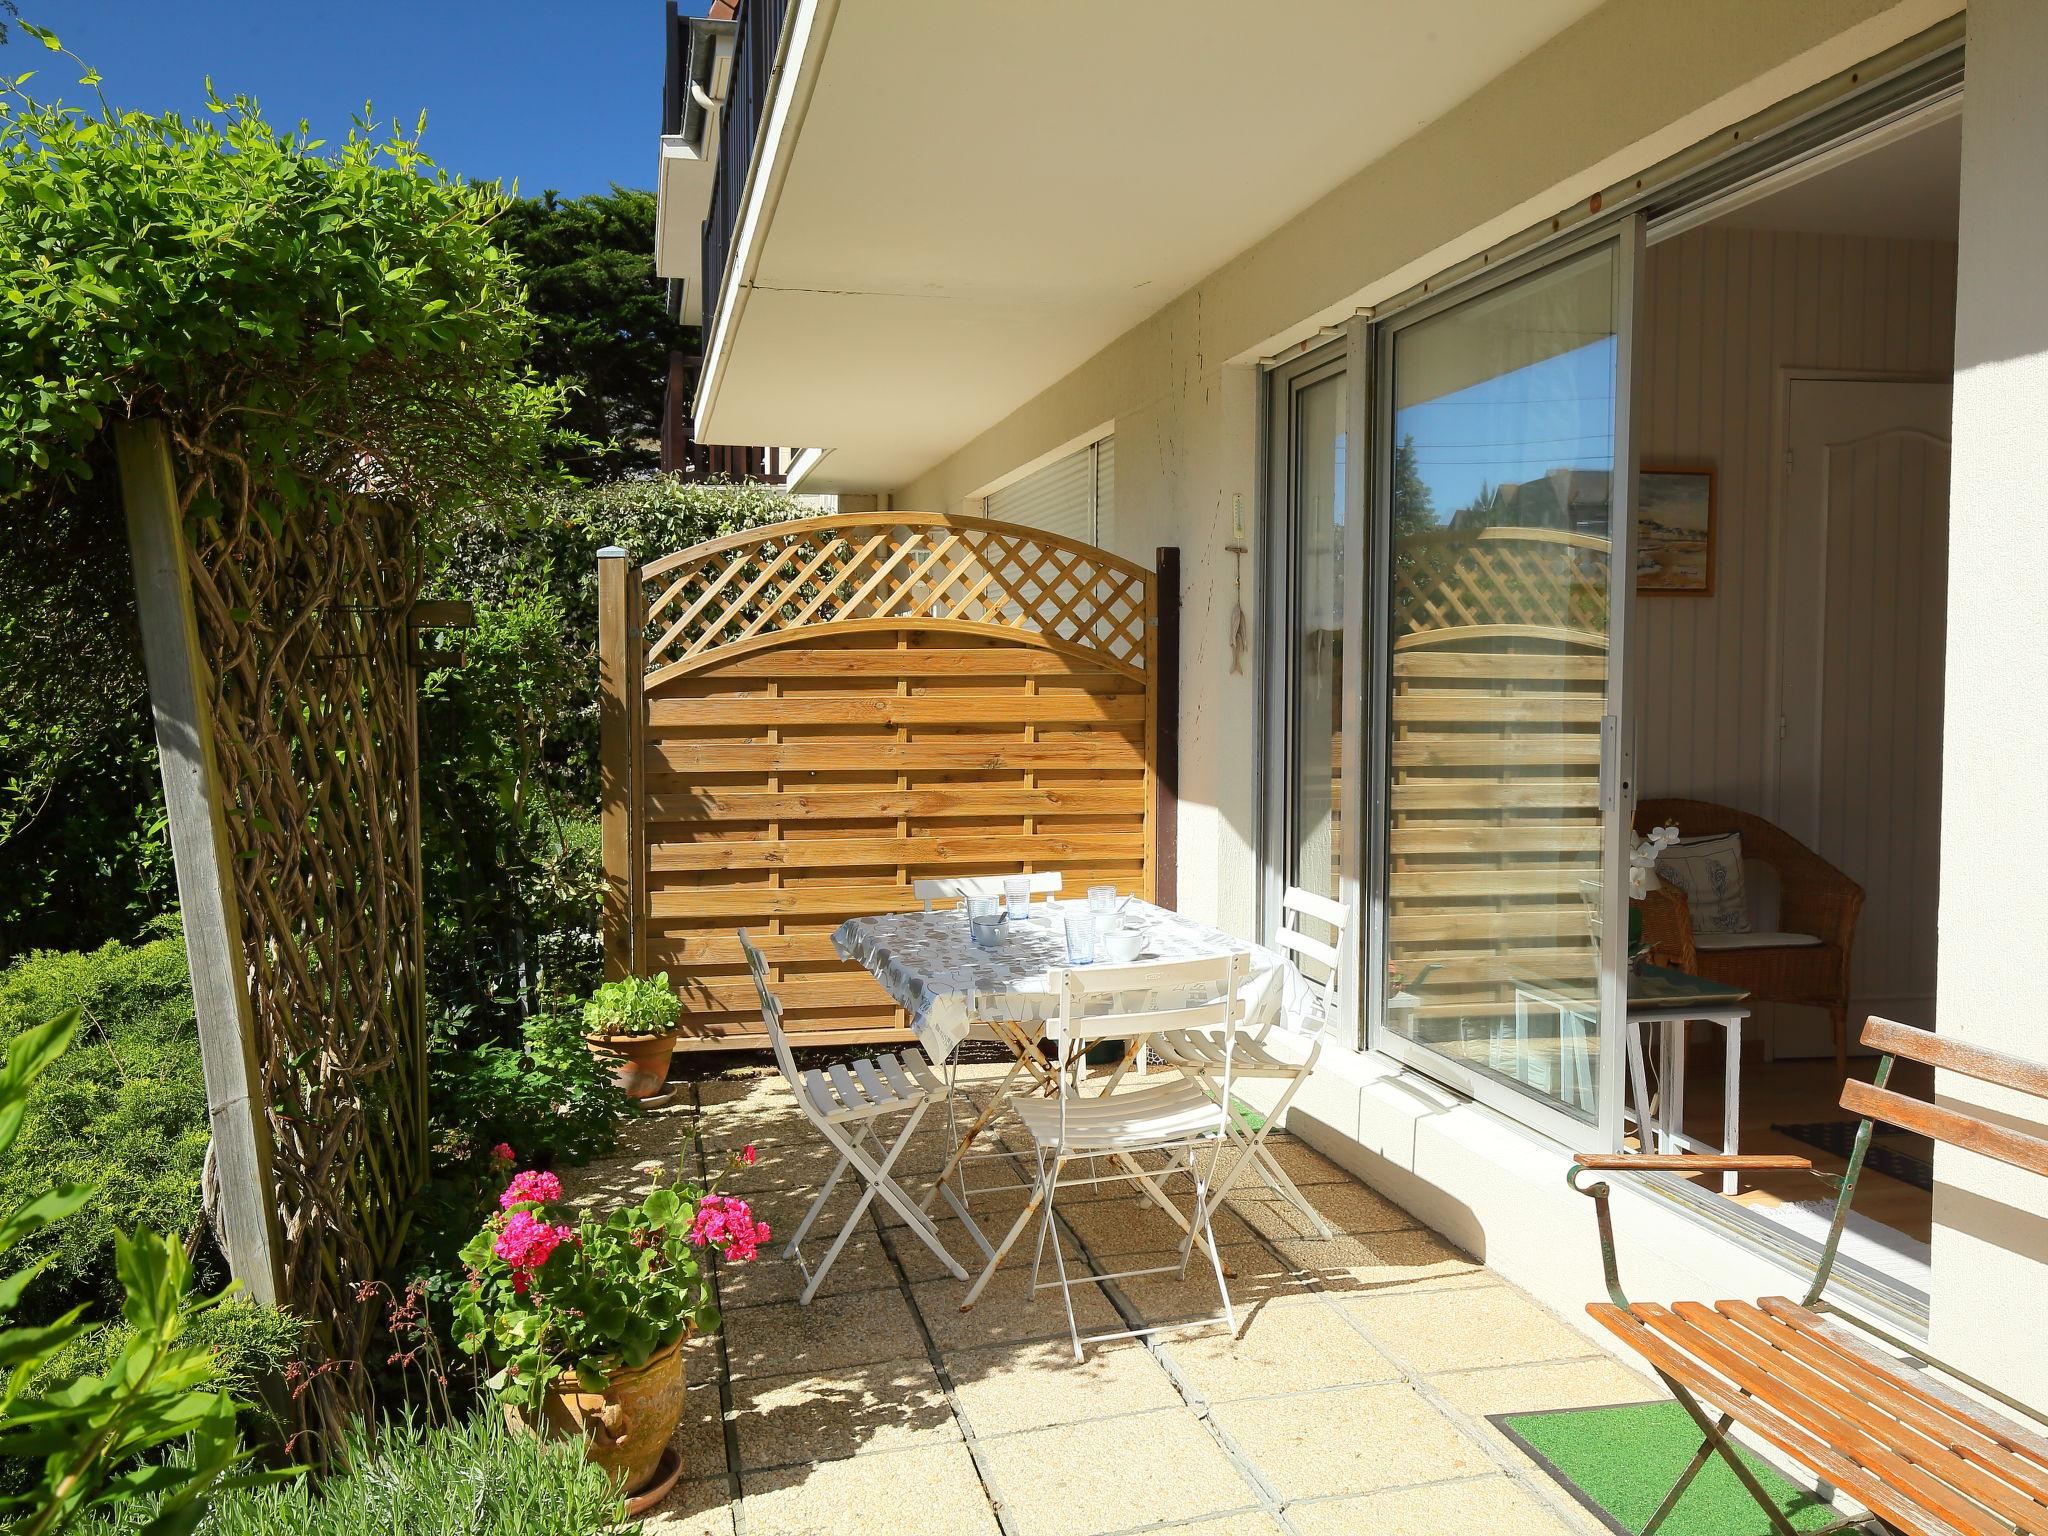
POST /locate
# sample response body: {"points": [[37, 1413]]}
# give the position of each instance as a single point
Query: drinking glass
{"points": [[1017, 894], [1102, 899], [984, 921], [1081, 939]]}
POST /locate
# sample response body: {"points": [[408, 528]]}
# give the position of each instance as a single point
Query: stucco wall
{"points": [[1635, 81], [1990, 1221]]}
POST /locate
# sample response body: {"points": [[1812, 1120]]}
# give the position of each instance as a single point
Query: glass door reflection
{"points": [[1501, 424]]}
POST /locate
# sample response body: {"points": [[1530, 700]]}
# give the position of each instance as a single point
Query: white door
{"points": [[1863, 550]]}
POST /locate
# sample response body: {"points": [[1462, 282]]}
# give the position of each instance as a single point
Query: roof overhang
{"points": [[954, 206]]}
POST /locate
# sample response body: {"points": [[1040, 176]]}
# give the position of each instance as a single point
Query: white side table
{"points": [[1671, 1002]]}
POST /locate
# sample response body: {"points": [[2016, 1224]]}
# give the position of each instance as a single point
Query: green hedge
{"points": [[123, 1110]]}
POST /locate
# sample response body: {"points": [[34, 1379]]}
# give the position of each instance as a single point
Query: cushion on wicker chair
{"points": [[1707, 943], [1709, 871]]}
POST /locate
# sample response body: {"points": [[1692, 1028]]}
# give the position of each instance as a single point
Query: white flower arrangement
{"points": [[1642, 861]]}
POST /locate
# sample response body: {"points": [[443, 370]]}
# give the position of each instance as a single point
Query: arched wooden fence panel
{"points": [[803, 719]]}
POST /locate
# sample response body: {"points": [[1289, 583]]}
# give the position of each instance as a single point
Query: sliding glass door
{"points": [[1311, 556], [1502, 581]]}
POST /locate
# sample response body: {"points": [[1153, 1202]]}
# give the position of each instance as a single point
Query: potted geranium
{"points": [[579, 1320], [631, 1025]]}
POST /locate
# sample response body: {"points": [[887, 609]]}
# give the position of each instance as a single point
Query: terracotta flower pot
{"points": [[626, 1427], [639, 1062]]}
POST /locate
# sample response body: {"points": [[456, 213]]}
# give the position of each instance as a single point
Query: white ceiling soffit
{"points": [[1907, 188], [982, 196]]}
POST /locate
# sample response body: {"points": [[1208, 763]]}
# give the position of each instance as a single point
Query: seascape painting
{"points": [[1675, 531]]}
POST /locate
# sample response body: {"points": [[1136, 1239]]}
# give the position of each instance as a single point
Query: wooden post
{"points": [[1166, 717], [237, 1109], [618, 693]]}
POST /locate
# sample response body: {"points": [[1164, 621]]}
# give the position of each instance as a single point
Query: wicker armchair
{"points": [[1817, 899]]}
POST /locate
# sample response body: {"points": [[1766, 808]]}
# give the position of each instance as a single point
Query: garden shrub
{"points": [[123, 1110], [471, 1478], [510, 754], [91, 1448]]}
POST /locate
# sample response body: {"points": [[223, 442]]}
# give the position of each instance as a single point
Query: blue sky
{"points": [[1518, 426], [562, 96]]}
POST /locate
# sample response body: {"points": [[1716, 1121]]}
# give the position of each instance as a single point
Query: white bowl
{"points": [[1123, 945]]}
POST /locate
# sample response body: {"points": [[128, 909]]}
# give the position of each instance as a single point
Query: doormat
{"points": [[1839, 1137], [1619, 1462]]}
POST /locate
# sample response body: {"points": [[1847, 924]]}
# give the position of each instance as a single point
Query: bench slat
{"points": [[1818, 1408], [1951, 1126], [1959, 1430], [1774, 1427], [1931, 1389], [1891, 1433], [1987, 1066]]}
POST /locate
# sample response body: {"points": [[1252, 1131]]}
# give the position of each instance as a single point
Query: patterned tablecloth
{"points": [[927, 963]]}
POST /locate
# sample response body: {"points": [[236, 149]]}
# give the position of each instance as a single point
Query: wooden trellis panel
{"points": [[283, 676], [1499, 686], [821, 712]]}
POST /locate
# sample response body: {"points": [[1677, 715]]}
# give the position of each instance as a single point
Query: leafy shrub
{"points": [[124, 1110], [632, 1005], [93, 1443], [548, 1096], [516, 878], [472, 1478]]}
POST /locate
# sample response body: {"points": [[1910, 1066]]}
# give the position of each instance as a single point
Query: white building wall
{"points": [[1991, 1221], [1636, 81]]}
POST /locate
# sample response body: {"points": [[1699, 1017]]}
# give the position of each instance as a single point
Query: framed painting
{"points": [[1675, 531]]}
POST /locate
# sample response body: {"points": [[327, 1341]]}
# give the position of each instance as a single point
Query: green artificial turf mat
{"points": [[1620, 1462], [1249, 1118]]}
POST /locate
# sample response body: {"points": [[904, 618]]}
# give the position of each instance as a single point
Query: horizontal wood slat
{"points": [[1495, 665], [1504, 708], [1100, 751], [728, 804], [829, 853], [847, 988], [667, 947], [918, 661], [1494, 795], [1987, 1066], [1951, 1126], [1477, 751], [1478, 838], [1075, 708]]}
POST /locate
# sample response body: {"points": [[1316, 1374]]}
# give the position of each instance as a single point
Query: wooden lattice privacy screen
{"points": [[282, 677], [1499, 688], [801, 720]]}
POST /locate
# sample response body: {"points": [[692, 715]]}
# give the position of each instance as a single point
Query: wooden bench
{"points": [[1896, 1435]]}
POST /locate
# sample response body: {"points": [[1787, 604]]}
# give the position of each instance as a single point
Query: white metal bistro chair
{"points": [[1198, 1054], [1110, 1130], [847, 1102], [1023, 1045]]}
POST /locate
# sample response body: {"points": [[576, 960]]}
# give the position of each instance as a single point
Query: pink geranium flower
{"points": [[727, 1222], [530, 1187], [503, 1153], [527, 1242]]}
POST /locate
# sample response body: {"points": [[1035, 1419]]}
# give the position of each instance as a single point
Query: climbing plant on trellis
{"points": [[301, 651]]}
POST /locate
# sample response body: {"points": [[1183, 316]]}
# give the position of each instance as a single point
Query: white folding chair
{"points": [[1198, 1054], [1021, 1043], [846, 1102], [1178, 1119]]}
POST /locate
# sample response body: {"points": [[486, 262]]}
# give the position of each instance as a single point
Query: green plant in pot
{"points": [[579, 1320], [631, 1024]]}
